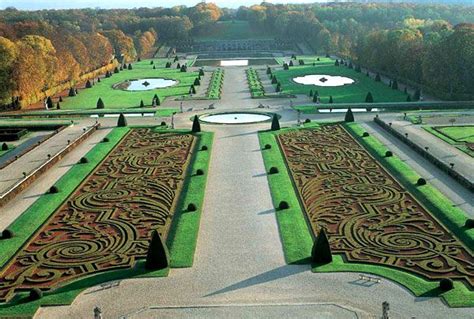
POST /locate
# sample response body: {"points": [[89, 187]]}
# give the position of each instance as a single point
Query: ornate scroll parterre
{"points": [[106, 223], [369, 217]]}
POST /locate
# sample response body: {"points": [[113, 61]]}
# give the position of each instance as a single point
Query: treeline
{"points": [[429, 46], [42, 52]]}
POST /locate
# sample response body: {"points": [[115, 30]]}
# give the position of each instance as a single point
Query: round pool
{"points": [[235, 118], [323, 80], [145, 84]]}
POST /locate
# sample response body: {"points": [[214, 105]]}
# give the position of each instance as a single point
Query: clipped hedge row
{"points": [[255, 85]]}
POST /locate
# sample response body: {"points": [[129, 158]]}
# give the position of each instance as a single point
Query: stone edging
{"points": [[25, 182], [430, 157]]}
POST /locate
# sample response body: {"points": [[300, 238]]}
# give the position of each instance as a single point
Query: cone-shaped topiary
{"points": [[290, 64], [192, 90], [469, 224], [184, 68], [311, 93], [315, 98], [4, 147], [122, 121], [154, 67], [273, 170], [105, 140], [197, 82], [83, 160], [269, 70], [395, 85], [116, 70], [142, 104], [100, 103], [421, 181], [417, 95], [365, 134], [331, 100], [283, 205], [408, 98], [204, 148], [377, 77], [196, 125], [72, 92], [178, 66], [274, 79], [285, 66], [336, 63], [157, 256], [60, 99], [88, 84], [275, 123], [58, 106], [267, 146], [369, 98], [176, 59], [349, 117], [201, 72], [278, 87], [151, 62], [49, 102], [168, 65], [321, 252], [130, 66], [191, 207], [199, 172], [388, 154]]}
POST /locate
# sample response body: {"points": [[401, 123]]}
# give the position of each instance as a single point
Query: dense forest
{"points": [[427, 45]]}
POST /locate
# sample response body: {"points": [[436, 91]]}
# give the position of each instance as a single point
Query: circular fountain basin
{"points": [[235, 118], [323, 80], [146, 84]]}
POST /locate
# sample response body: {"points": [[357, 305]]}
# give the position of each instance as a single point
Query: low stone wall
{"points": [[25, 182], [430, 157]]}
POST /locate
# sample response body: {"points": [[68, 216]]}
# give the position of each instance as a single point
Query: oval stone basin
{"points": [[235, 118], [323, 80], [149, 84]]}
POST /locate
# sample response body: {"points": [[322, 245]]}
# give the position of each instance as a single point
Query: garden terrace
{"points": [[461, 137], [351, 93], [249, 45], [368, 215], [106, 223]]}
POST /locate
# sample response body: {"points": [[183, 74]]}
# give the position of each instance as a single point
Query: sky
{"points": [[106, 4]]}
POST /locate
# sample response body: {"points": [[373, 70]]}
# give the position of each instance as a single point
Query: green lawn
{"points": [[116, 98], [308, 59], [457, 136], [352, 93], [297, 239]]}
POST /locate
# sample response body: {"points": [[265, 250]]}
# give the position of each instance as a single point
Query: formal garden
{"points": [[460, 136], [379, 216], [95, 224]]}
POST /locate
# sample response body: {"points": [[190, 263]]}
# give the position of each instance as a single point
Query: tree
{"points": [[269, 70], [184, 68], [275, 123], [122, 121], [408, 98], [321, 252], [285, 66], [349, 117], [196, 125], [157, 256], [192, 90], [156, 100], [331, 99], [369, 98], [100, 103], [278, 87], [88, 84], [291, 63], [142, 104], [377, 77], [58, 106], [197, 82], [311, 93], [49, 102], [130, 66], [4, 147], [274, 79], [116, 70], [417, 95], [72, 92], [336, 63], [395, 84], [201, 72], [315, 98]]}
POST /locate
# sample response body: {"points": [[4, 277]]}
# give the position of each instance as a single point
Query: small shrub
{"points": [[163, 123], [204, 148], [201, 72], [116, 70], [196, 125], [285, 66], [58, 106], [273, 170], [100, 103], [7, 233], [469, 224], [84, 160], [349, 117], [446, 284], [395, 85], [122, 121], [366, 134], [291, 63], [377, 78], [283, 205], [311, 93], [191, 207], [369, 98], [199, 172], [130, 66], [35, 294], [336, 63], [54, 190], [408, 98], [105, 140], [72, 92], [60, 99], [275, 123], [388, 154], [267, 146], [88, 84], [142, 104], [269, 70], [4, 147], [197, 82], [421, 181], [307, 121], [151, 62]]}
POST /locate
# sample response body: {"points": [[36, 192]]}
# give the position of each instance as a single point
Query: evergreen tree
{"points": [[377, 77], [274, 79], [275, 123], [184, 68], [331, 99], [269, 70], [142, 104], [395, 84], [291, 63], [154, 67], [358, 69], [278, 87], [315, 98], [168, 65], [192, 90], [130, 66], [156, 100], [285, 66], [100, 103], [197, 82], [122, 121], [201, 72], [116, 70], [4, 147], [88, 84], [72, 92], [178, 66], [369, 98], [417, 95], [49, 102], [336, 63], [196, 125], [408, 98], [311, 93], [321, 252], [58, 106], [349, 117], [157, 256], [60, 99]]}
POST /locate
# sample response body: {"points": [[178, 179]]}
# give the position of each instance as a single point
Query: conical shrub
{"points": [[100, 103], [157, 257], [349, 117], [321, 252], [122, 121], [196, 125], [275, 123]]}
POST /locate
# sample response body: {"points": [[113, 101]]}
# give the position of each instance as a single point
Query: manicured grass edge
{"points": [[459, 145], [182, 238]]}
